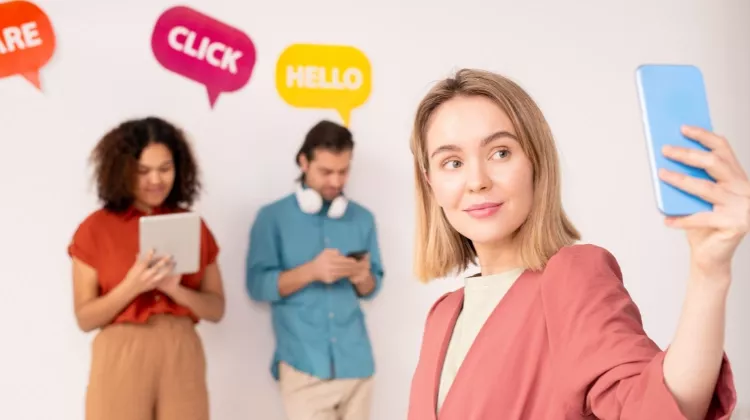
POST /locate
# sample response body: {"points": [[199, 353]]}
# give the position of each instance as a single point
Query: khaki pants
{"points": [[154, 371], [309, 398]]}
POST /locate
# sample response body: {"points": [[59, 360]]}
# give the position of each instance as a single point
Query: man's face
{"points": [[327, 172]]}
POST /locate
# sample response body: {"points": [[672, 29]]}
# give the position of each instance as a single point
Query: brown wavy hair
{"points": [[115, 160]]}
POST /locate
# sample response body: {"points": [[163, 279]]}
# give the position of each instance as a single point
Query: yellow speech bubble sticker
{"points": [[324, 76]]}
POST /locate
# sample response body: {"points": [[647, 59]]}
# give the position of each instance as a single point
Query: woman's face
{"points": [[477, 171], [155, 176]]}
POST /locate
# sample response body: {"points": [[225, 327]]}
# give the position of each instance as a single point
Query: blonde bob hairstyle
{"points": [[439, 249]]}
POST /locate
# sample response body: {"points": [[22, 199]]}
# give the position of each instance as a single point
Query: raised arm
{"points": [[693, 361], [606, 364]]}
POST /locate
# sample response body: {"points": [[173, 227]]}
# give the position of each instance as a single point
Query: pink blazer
{"points": [[565, 343]]}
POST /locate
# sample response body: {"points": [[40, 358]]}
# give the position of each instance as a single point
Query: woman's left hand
{"points": [[714, 235], [170, 284]]}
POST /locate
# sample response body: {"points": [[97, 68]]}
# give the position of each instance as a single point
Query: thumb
{"points": [[142, 260], [148, 256]]}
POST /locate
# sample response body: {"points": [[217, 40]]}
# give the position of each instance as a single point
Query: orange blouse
{"points": [[108, 242]]}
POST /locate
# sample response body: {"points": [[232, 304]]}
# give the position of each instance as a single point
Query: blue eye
{"points": [[502, 154], [452, 164]]}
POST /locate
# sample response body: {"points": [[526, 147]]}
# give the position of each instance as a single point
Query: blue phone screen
{"points": [[672, 96]]}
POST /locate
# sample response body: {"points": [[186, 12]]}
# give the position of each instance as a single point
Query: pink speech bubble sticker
{"points": [[204, 50]]}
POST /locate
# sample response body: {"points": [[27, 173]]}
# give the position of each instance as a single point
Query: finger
{"points": [[142, 260], [164, 272], [348, 266], [156, 269], [700, 220], [707, 190], [740, 188], [717, 143], [711, 162], [163, 262], [705, 137], [343, 261], [158, 277]]}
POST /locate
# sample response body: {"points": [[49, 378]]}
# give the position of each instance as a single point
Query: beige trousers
{"points": [[155, 371], [309, 398]]}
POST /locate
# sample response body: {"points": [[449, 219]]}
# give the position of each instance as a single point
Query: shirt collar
{"points": [[135, 212]]}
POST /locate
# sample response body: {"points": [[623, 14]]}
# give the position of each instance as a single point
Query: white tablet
{"points": [[175, 234]]}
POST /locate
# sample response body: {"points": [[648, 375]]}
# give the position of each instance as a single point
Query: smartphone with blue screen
{"points": [[673, 95]]}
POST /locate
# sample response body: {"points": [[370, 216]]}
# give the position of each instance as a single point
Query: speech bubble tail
{"points": [[213, 96], [33, 78], [346, 115]]}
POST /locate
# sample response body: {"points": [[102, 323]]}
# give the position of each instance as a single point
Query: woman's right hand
{"points": [[147, 272]]}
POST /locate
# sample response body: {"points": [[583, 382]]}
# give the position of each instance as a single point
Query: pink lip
{"points": [[483, 210]]}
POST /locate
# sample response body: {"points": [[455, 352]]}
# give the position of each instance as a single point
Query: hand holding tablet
{"points": [[176, 236]]}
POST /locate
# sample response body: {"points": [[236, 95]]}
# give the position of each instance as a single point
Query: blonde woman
{"points": [[547, 330]]}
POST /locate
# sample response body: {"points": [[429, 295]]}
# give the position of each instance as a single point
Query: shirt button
{"points": [[333, 339], [326, 240], [157, 298], [330, 315]]}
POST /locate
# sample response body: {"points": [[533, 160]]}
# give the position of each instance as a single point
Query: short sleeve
{"points": [[83, 245], [606, 364], [209, 246], [376, 263]]}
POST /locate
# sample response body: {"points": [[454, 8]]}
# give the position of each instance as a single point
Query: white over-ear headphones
{"points": [[311, 202]]}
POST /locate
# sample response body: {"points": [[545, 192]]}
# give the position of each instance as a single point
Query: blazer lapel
{"points": [[492, 330], [441, 329]]}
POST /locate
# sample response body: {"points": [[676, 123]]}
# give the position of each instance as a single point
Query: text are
{"points": [[16, 38]]}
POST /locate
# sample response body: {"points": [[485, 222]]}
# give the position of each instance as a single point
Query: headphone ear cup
{"points": [[309, 200], [313, 200], [338, 207]]}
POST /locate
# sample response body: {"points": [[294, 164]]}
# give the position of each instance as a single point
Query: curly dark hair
{"points": [[115, 159]]}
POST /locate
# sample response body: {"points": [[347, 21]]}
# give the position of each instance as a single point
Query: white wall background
{"points": [[576, 58]]}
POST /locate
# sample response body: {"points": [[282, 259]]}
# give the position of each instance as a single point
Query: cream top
{"points": [[481, 296]]}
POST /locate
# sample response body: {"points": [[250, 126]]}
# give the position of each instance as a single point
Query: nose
{"points": [[153, 177], [337, 181], [477, 177]]}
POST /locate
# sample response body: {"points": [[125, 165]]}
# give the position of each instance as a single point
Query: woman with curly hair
{"points": [[147, 359]]}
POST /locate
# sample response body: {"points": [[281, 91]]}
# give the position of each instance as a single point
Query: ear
{"points": [[304, 164], [427, 178]]}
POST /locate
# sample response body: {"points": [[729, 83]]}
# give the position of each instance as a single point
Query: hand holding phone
{"points": [[701, 185], [330, 266], [363, 266]]}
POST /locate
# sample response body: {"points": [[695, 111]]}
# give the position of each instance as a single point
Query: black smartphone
{"points": [[357, 255]]}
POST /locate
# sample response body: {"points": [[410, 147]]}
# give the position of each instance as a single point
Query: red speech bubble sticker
{"points": [[27, 40], [204, 50]]}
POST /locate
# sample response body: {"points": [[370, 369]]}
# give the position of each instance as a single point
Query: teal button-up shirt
{"points": [[320, 329]]}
